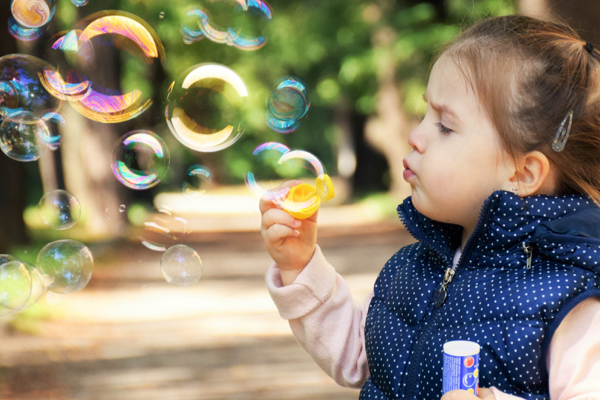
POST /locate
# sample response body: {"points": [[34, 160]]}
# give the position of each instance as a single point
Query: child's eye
{"points": [[443, 129]]}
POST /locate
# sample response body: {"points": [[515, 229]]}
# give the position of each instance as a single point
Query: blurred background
{"points": [[129, 334]]}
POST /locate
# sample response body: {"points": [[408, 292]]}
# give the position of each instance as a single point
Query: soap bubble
{"points": [[23, 33], [181, 265], [79, 3], [22, 136], [15, 285], [20, 87], [59, 209], [163, 229], [51, 135], [287, 104], [122, 208], [198, 179], [32, 13], [274, 164], [264, 166], [204, 107], [21, 286], [4, 258], [66, 265], [118, 29], [140, 159], [161, 15]]}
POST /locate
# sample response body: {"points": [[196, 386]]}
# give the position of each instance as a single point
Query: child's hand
{"points": [[484, 394], [290, 242]]}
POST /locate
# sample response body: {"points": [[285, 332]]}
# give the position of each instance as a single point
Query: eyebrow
{"points": [[441, 107]]}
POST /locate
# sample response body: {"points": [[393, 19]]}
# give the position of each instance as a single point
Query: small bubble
{"points": [[106, 210], [181, 266], [161, 15], [122, 208]]}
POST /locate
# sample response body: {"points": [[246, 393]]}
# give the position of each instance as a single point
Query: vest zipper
{"points": [[411, 384]]}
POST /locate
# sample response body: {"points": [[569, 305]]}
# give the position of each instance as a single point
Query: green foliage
{"points": [[336, 47]]}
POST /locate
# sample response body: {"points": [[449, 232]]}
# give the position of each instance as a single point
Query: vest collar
{"points": [[505, 220]]}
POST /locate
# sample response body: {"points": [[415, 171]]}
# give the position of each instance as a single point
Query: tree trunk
{"points": [[13, 182], [387, 130]]}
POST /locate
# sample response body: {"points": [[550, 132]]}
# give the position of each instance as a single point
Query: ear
{"points": [[533, 175]]}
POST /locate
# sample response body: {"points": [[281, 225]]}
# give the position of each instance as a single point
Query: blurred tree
{"points": [[12, 175]]}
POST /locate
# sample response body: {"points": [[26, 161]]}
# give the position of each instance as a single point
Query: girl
{"points": [[505, 179]]}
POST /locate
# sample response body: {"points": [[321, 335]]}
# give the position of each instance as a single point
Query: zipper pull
{"points": [[441, 295], [529, 251]]}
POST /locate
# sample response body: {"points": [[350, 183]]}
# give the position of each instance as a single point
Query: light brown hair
{"points": [[528, 75]]}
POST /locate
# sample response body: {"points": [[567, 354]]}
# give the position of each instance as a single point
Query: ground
{"points": [[130, 335]]}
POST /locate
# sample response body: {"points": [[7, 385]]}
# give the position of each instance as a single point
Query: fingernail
{"points": [[297, 223], [297, 233]]}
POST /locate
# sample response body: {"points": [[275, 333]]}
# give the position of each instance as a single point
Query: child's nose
{"points": [[416, 140]]}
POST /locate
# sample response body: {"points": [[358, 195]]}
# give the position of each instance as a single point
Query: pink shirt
{"points": [[330, 327]]}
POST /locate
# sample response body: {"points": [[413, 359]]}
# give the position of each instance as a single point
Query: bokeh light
{"points": [[181, 266], [59, 209], [66, 265], [204, 107], [140, 159]]}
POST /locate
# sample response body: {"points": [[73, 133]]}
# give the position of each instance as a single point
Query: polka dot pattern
{"points": [[494, 299]]}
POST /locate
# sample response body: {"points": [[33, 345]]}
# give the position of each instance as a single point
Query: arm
{"points": [[324, 319]]}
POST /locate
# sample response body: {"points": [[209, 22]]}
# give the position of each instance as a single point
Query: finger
{"points": [[277, 233], [272, 198], [278, 216]]}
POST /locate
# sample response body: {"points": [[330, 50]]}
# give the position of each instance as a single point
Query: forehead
{"points": [[451, 85]]}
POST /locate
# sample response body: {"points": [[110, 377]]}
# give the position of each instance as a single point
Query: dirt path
{"points": [[129, 335]]}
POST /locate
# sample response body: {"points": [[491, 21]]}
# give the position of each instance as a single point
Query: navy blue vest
{"points": [[494, 299]]}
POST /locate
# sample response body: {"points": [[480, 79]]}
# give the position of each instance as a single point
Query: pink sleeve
{"points": [[574, 356], [324, 319]]}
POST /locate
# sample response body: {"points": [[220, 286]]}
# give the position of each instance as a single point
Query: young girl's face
{"points": [[456, 159]]}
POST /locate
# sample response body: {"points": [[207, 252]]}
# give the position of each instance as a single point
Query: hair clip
{"points": [[563, 134], [589, 47]]}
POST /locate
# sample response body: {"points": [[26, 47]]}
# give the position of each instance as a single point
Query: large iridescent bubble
{"points": [[287, 103], [205, 106], [115, 28], [163, 229], [198, 179], [66, 265], [140, 159], [202, 23]]}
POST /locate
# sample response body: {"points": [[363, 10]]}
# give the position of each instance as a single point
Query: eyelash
{"points": [[443, 129]]}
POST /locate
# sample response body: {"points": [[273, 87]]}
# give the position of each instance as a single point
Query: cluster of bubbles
{"points": [[205, 109], [287, 104], [63, 266], [201, 23], [29, 18], [28, 113]]}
